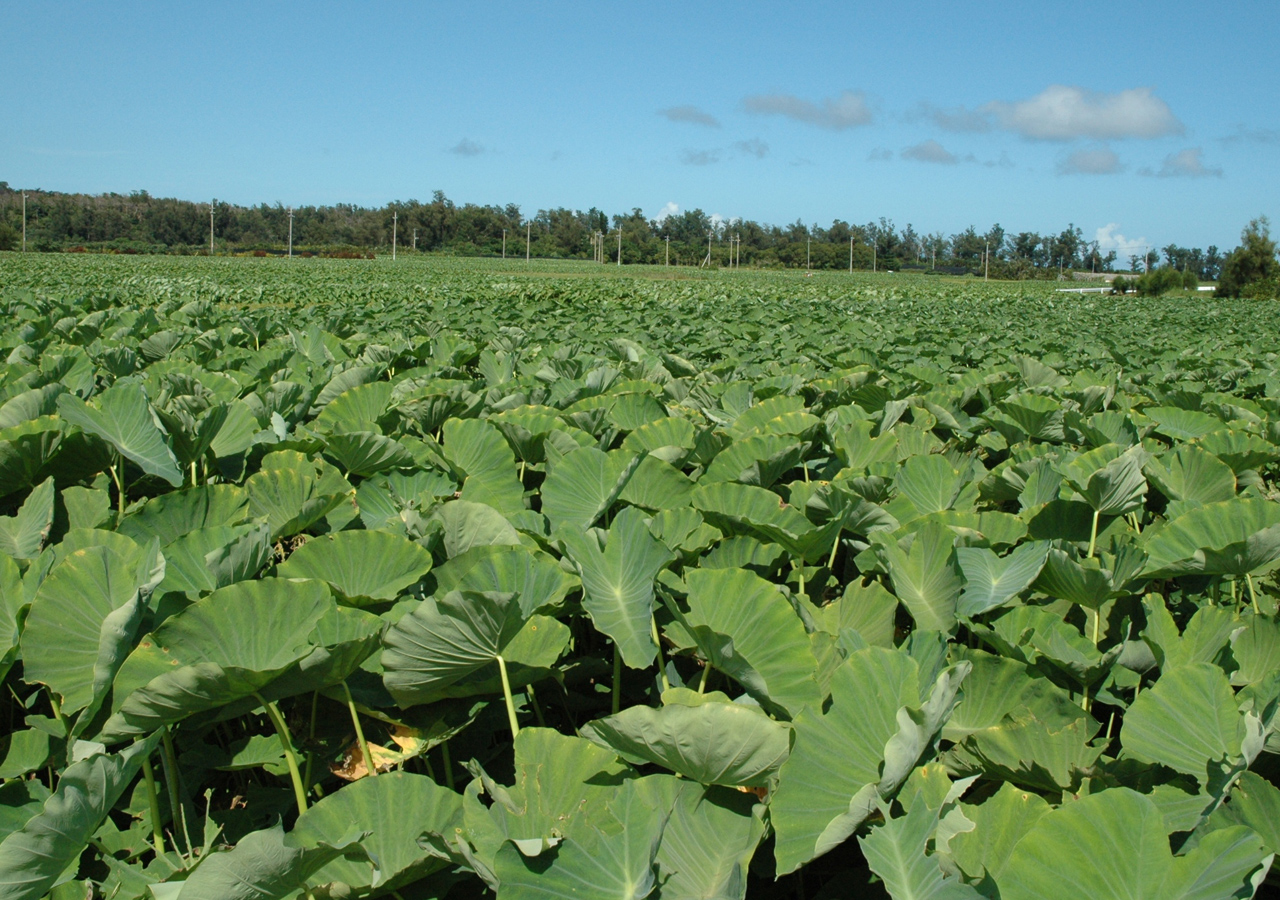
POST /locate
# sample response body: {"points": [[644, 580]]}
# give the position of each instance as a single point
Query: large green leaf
{"points": [[289, 499], [1188, 721], [737, 507], [124, 419], [537, 577], [611, 859], [395, 807], [845, 759], [23, 535], [992, 581], [482, 456], [708, 842], [584, 484], [1071, 852], [33, 858], [84, 618], [711, 742], [767, 649], [926, 576], [998, 824], [617, 582], [895, 851], [1234, 537], [469, 525], [170, 516], [1109, 478], [442, 641], [362, 567], [221, 649], [267, 865]]}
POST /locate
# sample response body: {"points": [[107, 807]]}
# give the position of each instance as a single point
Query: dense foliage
{"points": [[139, 222], [339, 579]]}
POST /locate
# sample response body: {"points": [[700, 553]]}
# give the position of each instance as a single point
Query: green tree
{"points": [[1251, 270], [8, 237]]}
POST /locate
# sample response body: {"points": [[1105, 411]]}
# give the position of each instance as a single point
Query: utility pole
{"points": [[211, 205], [850, 254], [395, 219], [619, 244], [873, 254], [986, 259], [527, 226], [24, 221], [668, 260], [415, 240], [807, 242], [291, 232], [504, 243], [708, 249]]}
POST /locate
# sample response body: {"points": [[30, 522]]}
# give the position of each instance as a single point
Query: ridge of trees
{"points": [[139, 222]]}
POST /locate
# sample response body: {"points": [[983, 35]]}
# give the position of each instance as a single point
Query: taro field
{"points": [[441, 578]]}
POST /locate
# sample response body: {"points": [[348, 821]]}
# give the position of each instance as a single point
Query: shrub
{"points": [[1159, 282], [1253, 261], [1120, 285], [1189, 280]]}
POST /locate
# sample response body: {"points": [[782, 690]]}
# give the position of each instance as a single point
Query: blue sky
{"points": [[1141, 123]]}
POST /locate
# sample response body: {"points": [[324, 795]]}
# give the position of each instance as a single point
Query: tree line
{"points": [[139, 222]]}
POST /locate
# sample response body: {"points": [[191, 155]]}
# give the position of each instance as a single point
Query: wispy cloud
{"points": [[1066, 113], [1244, 135], [691, 115], [880, 154], [753, 147], [848, 110], [467, 147], [955, 119], [699, 157], [930, 151], [1188, 163], [1098, 161]]}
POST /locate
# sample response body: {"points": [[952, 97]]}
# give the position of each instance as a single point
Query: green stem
{"points": [[617, 680], [57, 714], [1253, 595], [169, 761], [286, 741], [311, 739], [537, 707], [831, 560], [153, 805], [447, 762], [506, 695], [662, 666], [355, 720], [1097, 619], [702, 682], [115, 476], [1093, 534]]}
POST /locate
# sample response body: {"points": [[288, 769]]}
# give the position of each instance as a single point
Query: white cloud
{"points": [[1065, 113], [1099, 161], [930, 151], [1187, 163], [754, 147], [848, 110], [880, 154], [670, 209], [1109, 238], [691, 115], [1244, 135], [467, 147], [699, 157]]}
